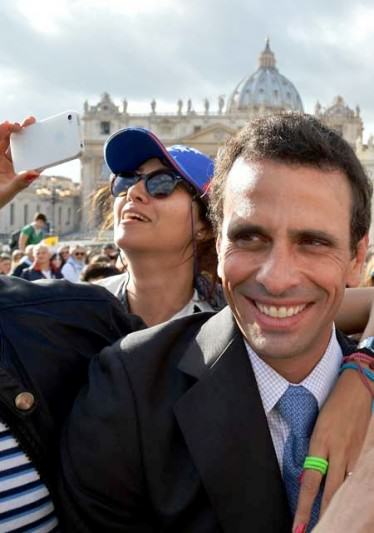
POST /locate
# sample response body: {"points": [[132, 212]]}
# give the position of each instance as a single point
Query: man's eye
{"points": [[249, 239], [315, 243]]}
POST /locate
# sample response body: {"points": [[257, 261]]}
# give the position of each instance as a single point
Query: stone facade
{"points": [[57, 197], [264, 92]]}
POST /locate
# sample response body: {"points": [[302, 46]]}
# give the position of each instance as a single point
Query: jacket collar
{"points": [[224, 425], [212, 341], [225, 428]]}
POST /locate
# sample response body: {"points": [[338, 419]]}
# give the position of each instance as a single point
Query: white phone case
{"points": [[47, 143]]}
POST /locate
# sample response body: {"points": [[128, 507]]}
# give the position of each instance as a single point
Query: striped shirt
{"points": [[25, 502]]}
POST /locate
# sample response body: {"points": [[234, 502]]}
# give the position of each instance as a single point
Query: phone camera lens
{"points": [[70, 117]]}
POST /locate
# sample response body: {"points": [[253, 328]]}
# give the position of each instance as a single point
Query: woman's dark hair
{"points": [[51, 259], [98, 271]]}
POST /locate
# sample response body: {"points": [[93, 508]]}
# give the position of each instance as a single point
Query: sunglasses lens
{"points": [[161, 185], [121, 184], [158, 184]]}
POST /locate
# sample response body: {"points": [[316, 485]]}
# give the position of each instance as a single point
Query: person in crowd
{"points": [[98, 258], [50, 331], [17, 257], [207, 420], [74, 264], [41, 267], [26, 261], [111, 251], [33, 233], [98, 270], [5, 264], [56, 262], [64, 253]]}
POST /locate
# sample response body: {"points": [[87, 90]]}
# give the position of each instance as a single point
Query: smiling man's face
{"points": [[285, 255]]}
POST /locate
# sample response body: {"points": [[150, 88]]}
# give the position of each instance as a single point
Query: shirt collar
{"points": [[319, 382]]}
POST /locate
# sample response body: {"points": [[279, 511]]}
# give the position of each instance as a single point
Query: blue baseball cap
{"points": [[127, 149]]}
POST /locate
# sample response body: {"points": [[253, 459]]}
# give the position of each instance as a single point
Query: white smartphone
{"points": [[47, 143]]}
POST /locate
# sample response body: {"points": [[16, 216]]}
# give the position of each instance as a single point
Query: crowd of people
{"points": [[75, 263], [203, 423]]}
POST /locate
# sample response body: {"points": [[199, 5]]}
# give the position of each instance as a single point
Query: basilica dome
{"points": [[266, 88]]}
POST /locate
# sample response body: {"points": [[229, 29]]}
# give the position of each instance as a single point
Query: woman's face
{"points": [[56, 262], [64, 253], [145, 224]]}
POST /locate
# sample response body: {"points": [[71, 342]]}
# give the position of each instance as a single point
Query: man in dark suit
{"points": [[201, 424]]}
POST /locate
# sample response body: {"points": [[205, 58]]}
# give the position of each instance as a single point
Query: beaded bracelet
{"points": [[368, 373], [353, 361], [364, 355]]}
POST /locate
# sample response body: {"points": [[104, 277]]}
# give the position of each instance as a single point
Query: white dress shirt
{"points": [[272, 386]]}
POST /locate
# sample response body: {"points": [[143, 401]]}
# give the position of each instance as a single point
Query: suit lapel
{"points": [[225, 428]]}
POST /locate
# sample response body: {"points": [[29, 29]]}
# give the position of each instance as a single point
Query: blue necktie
{"points": [[299, 409]]}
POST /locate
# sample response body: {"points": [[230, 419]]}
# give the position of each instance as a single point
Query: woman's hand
{"points": [[352, 509], [11, 183], [338, 436]]}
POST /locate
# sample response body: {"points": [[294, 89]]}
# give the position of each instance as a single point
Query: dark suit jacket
{"points": [[171, 436]]}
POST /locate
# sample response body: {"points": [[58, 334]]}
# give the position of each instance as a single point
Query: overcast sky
{"points": [[55, 55]]}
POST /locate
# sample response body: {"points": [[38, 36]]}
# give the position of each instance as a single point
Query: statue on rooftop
{"points": [[221, 104], [206, 106]]}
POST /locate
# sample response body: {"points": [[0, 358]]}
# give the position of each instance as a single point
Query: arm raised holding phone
{"points": [[10, 182], [28, 148]]}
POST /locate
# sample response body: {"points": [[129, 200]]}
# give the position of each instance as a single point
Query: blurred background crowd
{"points": [[30, 255]]}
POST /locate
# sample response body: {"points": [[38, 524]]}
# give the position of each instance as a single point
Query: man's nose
{"points": [[279, 271]]}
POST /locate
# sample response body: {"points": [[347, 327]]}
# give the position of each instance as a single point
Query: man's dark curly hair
{"points": [[295, 139]]}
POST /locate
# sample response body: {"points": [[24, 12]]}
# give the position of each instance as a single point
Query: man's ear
{"points": [[219, 263], [357, 262]]}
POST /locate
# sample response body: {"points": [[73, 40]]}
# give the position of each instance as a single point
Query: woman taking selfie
{"points": [[162, 228]]}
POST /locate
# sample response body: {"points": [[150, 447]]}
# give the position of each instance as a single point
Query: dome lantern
{"points": [[264, 91], [267, 58]]}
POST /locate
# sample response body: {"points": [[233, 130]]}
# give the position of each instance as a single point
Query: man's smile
{"points": [[279, 311]]}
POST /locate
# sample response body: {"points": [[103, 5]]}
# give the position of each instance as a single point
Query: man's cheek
{"points": [[235, 265]]}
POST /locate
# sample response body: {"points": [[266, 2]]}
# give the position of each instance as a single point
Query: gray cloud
{"points": [[190, 49]]}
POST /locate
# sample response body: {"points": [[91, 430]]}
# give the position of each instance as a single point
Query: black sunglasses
{"points": [[158, 184]]}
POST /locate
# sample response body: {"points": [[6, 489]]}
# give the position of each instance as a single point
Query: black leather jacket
{"points": [[48, 332]]}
